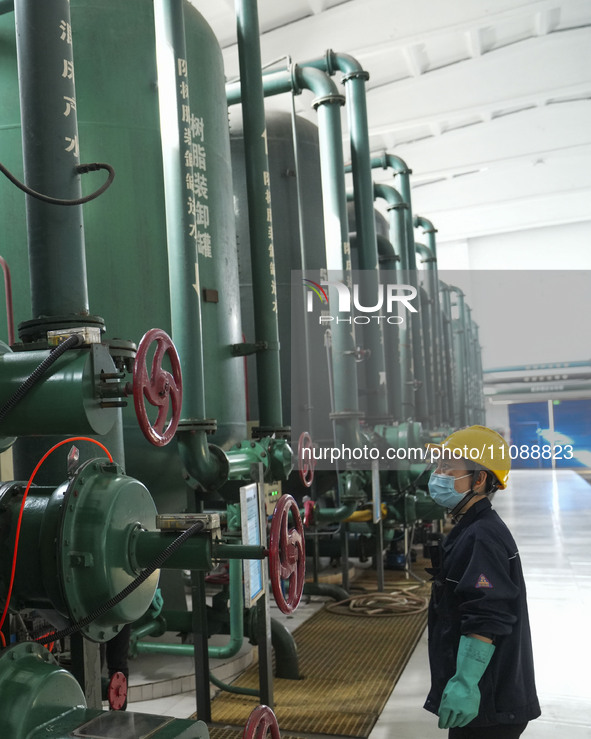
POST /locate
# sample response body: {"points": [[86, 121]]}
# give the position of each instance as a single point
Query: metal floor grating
{"points": [[349, 668]]}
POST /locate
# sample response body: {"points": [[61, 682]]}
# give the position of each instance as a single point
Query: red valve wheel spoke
{"points": [[287, 554], [306, 466], [259, 722], [160, 389]]}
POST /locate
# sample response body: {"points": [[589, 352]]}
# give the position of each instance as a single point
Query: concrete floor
{"points": [[549, 515]]}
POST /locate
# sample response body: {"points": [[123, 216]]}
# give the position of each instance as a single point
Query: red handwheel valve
{"points": [[160, 388], [306, 462], [287, 554], [117, 691], [259, 722]]}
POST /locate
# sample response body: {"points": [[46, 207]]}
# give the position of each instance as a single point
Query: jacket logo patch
{"points": [[483, 582]]}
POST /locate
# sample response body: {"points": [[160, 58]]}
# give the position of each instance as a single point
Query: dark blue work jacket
{"points": [[478, 588]]}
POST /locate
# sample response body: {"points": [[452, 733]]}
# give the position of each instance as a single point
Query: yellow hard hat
{"points": [[480, 445]]}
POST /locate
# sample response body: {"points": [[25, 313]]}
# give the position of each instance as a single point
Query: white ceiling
{"points": [[488, 101]]}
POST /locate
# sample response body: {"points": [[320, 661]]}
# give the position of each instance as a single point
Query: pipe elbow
{"points": [[390, 195], [318, 82], [206, 463], [425, 224]]}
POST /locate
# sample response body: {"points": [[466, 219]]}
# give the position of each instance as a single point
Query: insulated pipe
{"points": [[354, 79], [260, 219], [51, 154], [409, 267], [338, 259], [205, 463]]}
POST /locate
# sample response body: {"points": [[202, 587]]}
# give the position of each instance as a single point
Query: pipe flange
{"points": [[345, 415], [209, 425], [397, 206], [328, 100], [279, 432], [360, 74], [37, 328]]}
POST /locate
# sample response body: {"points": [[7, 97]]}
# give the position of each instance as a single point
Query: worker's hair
{"points": [[491, 484]]}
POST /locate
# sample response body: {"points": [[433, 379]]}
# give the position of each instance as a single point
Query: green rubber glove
{"points": [[461, 697]]}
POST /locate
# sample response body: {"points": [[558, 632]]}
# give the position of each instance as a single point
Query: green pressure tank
{"points": [[288, 257], [125, 118]]}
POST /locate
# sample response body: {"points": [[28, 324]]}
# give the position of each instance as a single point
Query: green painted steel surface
{"points": [[65, 401], [76, 546], [298, 252], [118, 87], [34, 690]]}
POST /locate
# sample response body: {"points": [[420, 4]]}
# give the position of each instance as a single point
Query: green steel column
{"points": [[259, 211], [400, 390], [183, 269], [338, 258], [51, 155], [354, 78]]}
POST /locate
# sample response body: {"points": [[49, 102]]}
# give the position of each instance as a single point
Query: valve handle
{"points": [[117, 691], [306, 466], [259, 722], [160, 388], [287, 554]]}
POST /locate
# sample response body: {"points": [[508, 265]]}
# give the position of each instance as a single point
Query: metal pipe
{"points": [[354, 79], [400, 390], [260, 218], [436, 321], [161, 625], [449, 390], [460, 335], [543, 366], [51, 154], [208, 467], [8, 293], [409, 267], [327, 104]]}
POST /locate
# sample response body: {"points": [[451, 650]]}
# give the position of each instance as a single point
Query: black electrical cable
{"points": [[133, 585], [80, 169], [37, 374]]}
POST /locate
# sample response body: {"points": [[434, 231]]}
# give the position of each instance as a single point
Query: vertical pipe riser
{"points": [[259, 208], [51, 155]]}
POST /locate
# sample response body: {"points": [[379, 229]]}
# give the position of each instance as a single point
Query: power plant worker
{"points": [[480, 652]]}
